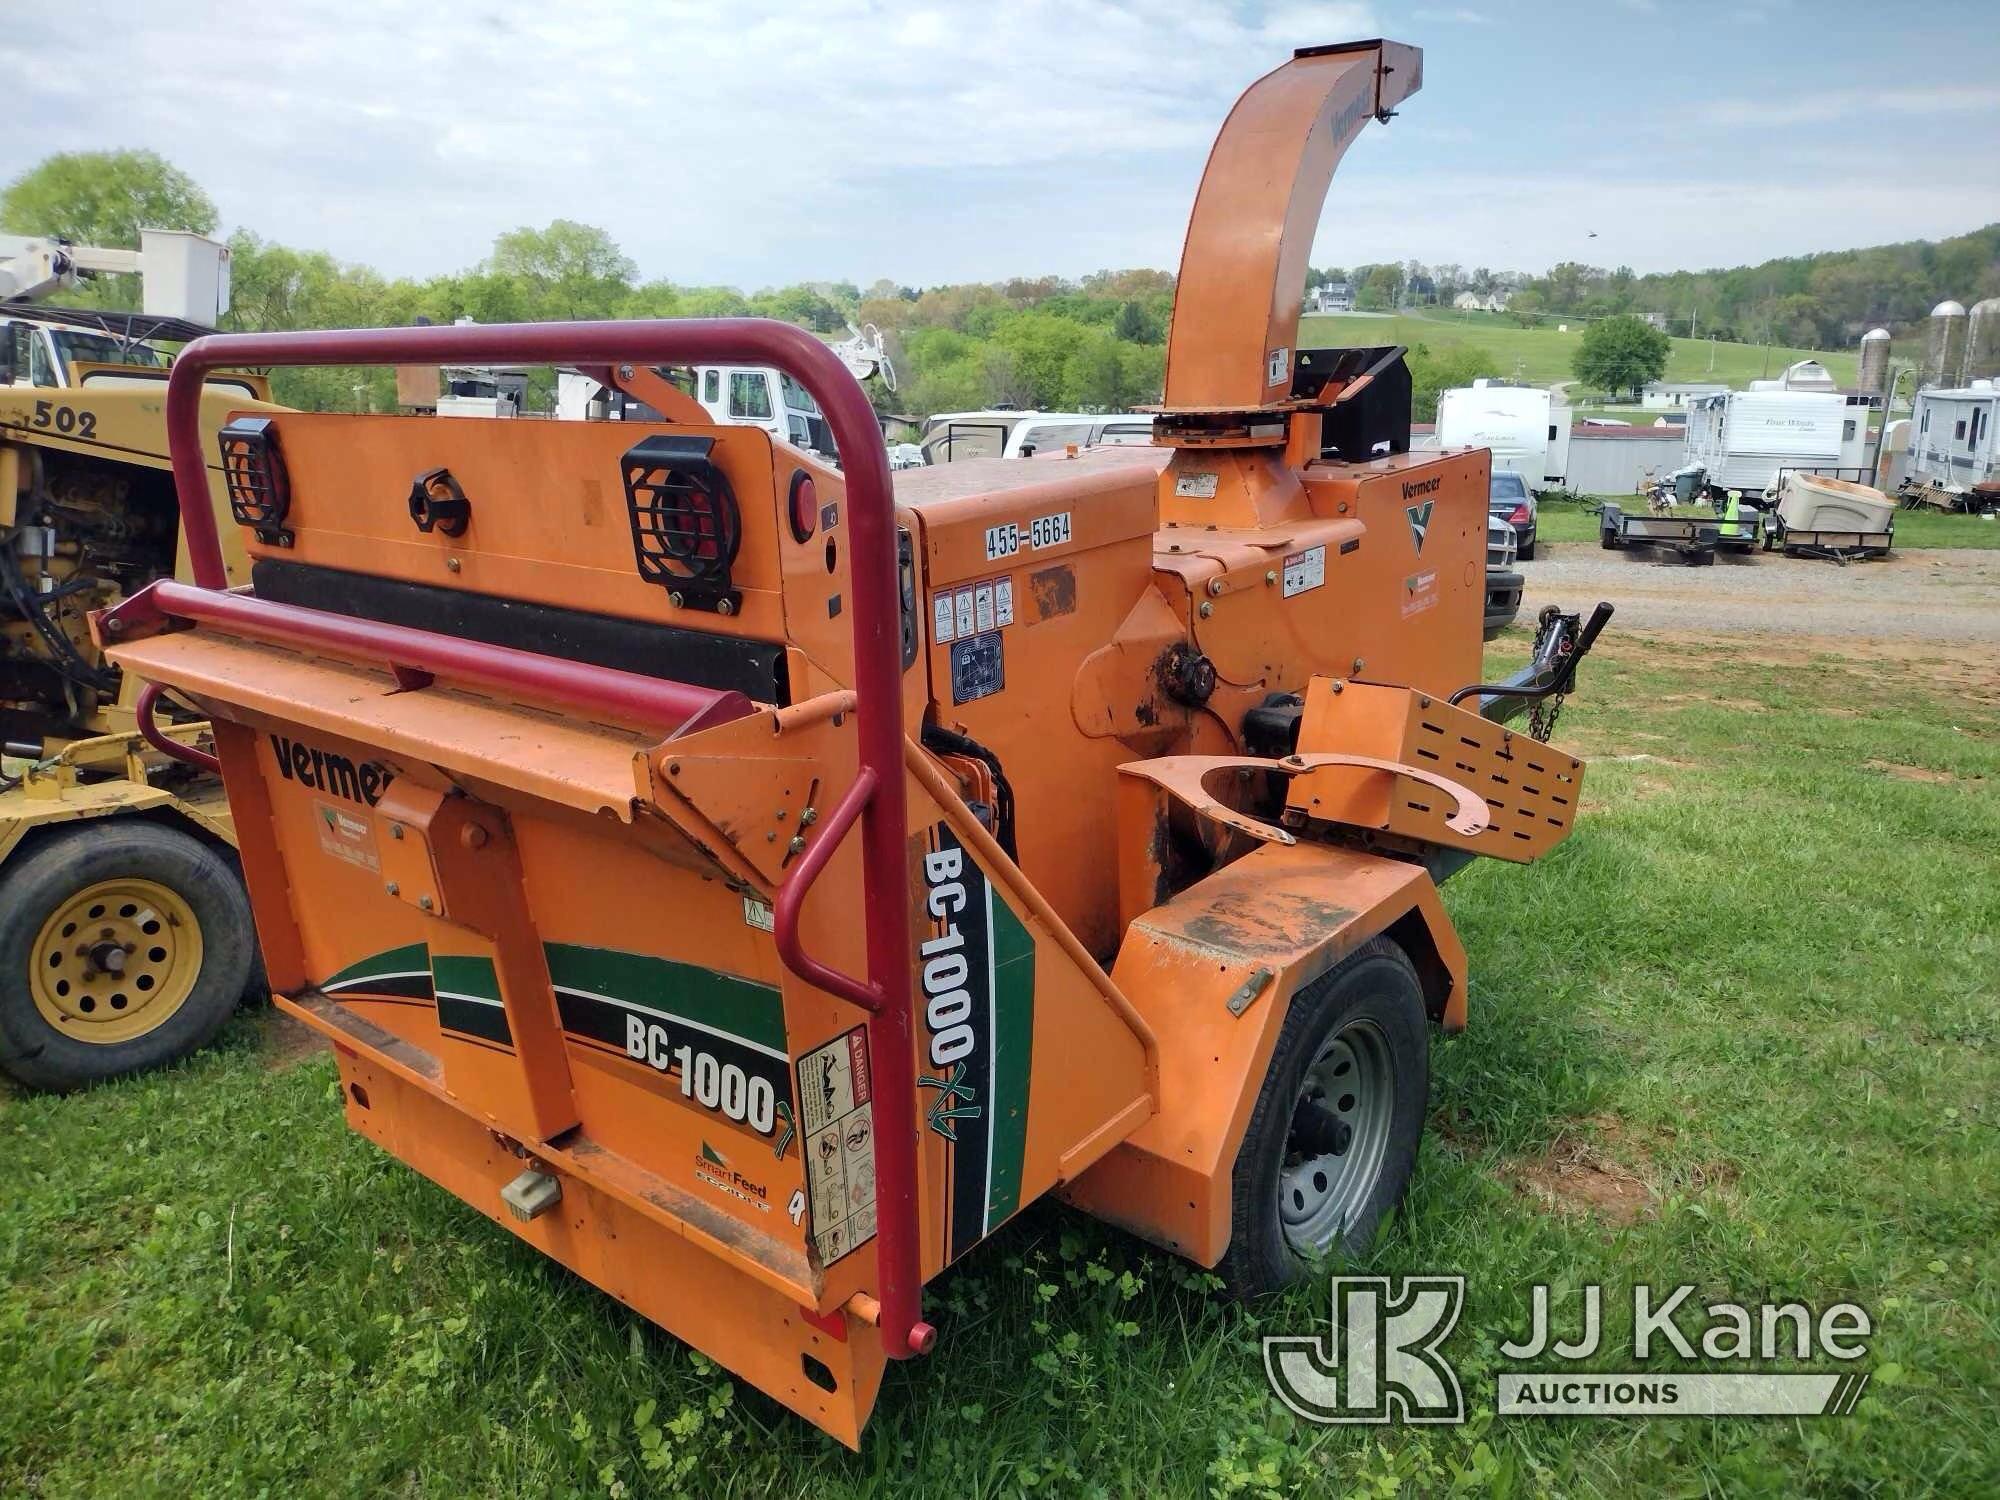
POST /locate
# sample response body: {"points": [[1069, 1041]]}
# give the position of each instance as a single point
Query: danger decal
{"points": [[837, 1131]]}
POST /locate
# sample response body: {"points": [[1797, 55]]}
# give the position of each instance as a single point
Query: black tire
{"points": [[1527, 553], [33, 887], [1373, 993]]}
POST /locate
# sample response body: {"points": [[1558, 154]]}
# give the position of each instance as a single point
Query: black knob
{"points": [[438, 504]]}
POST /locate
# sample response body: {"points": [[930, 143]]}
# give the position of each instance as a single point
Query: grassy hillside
{"points": [[1542, 356]]}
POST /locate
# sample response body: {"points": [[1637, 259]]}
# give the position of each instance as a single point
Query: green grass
{"points": [[1754, 994], [1541, 355], [1568, 521]]}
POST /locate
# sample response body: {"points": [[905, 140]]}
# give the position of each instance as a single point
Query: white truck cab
{"points": [[736, 395], [47, 354], [754, 396]]}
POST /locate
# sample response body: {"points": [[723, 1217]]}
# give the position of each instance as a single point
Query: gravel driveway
{"points": [[1928, 595]]}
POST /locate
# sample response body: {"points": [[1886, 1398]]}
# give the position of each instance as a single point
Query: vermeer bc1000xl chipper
{"points": [[752, 887]]}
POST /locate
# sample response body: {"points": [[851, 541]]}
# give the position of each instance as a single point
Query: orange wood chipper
{"points": [[752, 886]]}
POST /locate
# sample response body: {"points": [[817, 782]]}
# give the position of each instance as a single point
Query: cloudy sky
{"points": [[757, 144]]}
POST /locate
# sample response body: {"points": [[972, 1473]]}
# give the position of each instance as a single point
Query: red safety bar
{"points": [[418, 655], [160, 740], [877, 797]]}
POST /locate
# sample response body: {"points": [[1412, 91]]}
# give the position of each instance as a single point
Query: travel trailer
{"points": [[1952, 443], [1742, 439], [1526, 427]]}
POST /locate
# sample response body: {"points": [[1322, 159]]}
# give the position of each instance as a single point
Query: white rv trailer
{"points": [[1525, 426], [1743, 438], [1952, 439]]}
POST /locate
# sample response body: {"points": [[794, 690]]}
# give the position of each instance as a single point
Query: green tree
{"points": [[569, 270], [1620, 354], [1445, 368], [104, 198], [1381, 289], [801, 305], [1525, 307], [1040, 345]]}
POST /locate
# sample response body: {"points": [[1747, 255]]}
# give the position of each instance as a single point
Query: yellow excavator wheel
{"points": [[116, 960], [124, 945]]}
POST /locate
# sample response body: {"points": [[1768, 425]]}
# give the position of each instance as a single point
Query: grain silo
{"points": [[1874, 377], [1982, 342], [1944, 345]]}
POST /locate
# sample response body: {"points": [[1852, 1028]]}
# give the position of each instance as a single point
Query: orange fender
{"points": [[1213, 971]]}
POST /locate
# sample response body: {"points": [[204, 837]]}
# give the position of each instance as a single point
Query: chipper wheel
{"points": [[123, 945], [1333, 1138]]}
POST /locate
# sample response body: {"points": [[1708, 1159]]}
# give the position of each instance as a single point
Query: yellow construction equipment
{"points": [[125, 935]]}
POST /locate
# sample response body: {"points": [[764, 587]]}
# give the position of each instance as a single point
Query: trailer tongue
{"points": [[753, 892]]}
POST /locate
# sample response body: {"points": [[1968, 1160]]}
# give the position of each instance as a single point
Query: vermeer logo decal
{"points": [[1420, 522], [324, 771]]}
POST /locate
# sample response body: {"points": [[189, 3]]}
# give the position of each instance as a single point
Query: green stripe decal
{"points": [[1013, 1046], [740, 1008], [468, 997], [459, 975], [412, 958]]}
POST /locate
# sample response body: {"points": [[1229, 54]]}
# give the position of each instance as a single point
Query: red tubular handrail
{"points": [[674, 707], [792, 899], [873, 608], [160, 740]]}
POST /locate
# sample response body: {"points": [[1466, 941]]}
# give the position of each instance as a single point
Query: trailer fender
{"points": [[1213, 971]]}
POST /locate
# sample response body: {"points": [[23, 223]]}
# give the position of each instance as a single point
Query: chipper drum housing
{"points": [[752, 887]]}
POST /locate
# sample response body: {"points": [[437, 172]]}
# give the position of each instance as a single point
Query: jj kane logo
{"points": [[1380, 1362], [1382, 1358]]}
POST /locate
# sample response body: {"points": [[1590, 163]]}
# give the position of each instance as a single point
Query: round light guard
{"points": [[803, 506], [686, 524]]}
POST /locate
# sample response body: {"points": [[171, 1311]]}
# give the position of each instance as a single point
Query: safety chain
{"points": [[1542, 717]]}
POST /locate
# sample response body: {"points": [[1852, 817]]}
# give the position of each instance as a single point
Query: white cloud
{"points": [[1459, 15], [1881, 105], [757, 141], [771, 142]]}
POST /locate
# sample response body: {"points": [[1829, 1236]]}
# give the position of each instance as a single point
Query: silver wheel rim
{"points": [[1338, 1138]]}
